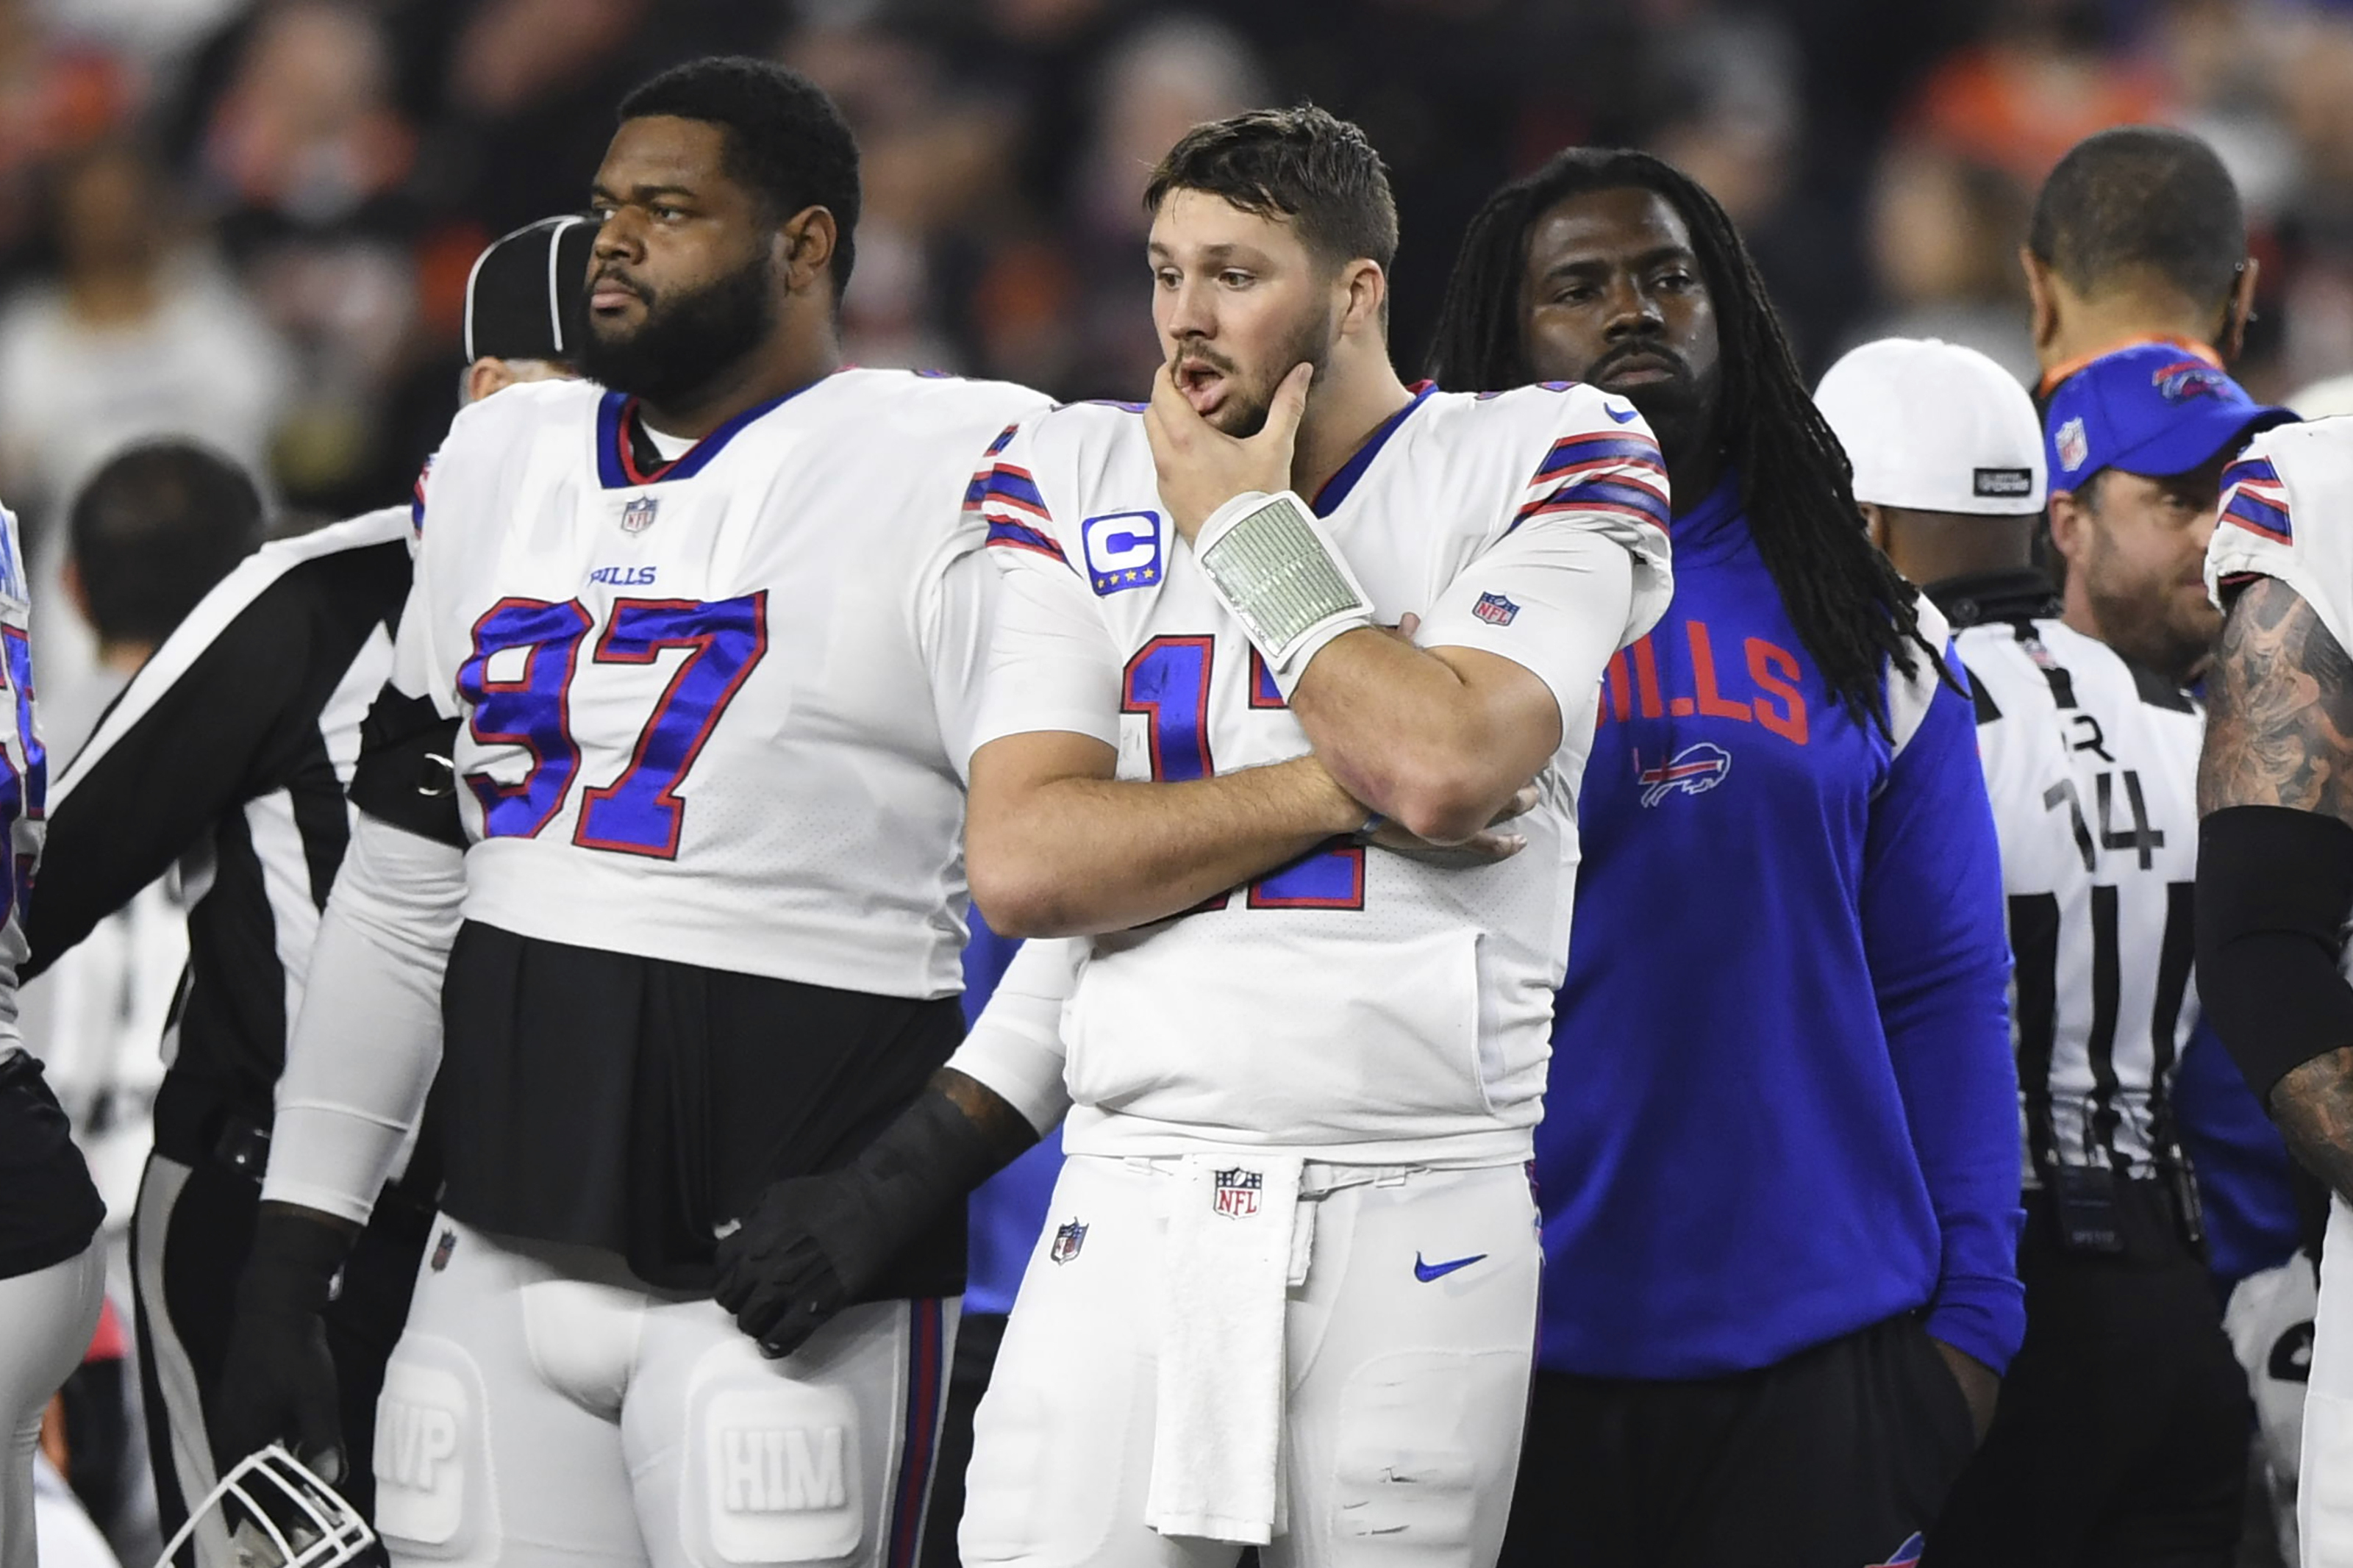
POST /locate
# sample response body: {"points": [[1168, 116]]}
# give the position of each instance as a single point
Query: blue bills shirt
{"points": [[1783, 1103]]}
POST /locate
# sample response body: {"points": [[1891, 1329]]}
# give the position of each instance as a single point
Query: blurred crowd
{"points": [[250, 220]]}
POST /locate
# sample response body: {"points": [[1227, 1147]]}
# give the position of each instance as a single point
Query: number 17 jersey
{"points": [[1365, 1004], [714, 711]]}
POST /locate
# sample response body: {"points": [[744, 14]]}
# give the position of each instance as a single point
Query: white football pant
{"points": [[2324, 1498], [1406, 1369], [46, 1318], [543, 1408]]}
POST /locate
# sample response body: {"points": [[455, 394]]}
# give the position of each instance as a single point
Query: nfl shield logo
{"points": [[2073, 446], [1494, 609], [1068, 1239], [443, 1248], [638, 515], [1238, 1192]]}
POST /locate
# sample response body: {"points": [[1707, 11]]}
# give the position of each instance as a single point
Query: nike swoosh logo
{"points": [[1426, 1272], [1625, 419]]}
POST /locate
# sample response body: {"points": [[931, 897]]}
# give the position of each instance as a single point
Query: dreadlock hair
{"points": [[1851, 610]]}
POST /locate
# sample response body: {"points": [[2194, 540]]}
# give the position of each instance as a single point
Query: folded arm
{"points": [[1056, 846]]}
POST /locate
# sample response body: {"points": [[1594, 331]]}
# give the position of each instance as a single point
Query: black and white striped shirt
{"points": [[228, 752], [2092, 764]]}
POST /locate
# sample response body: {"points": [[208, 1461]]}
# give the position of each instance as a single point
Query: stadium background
{"points": [[252, 221]]}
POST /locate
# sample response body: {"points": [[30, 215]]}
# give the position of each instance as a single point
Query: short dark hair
{"points": [[153, 530], [785, 141], [2146, 201], [1304, 164], [1854, 615]]}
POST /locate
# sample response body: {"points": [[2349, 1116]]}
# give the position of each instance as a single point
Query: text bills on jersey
{"points": [[1356, 1001], [716, 713]]}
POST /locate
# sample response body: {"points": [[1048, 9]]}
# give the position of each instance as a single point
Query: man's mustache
{"points": [[1619, 359]]}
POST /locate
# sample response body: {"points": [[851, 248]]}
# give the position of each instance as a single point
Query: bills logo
{"points": [[1122, 551], [638, 515], [1068, 1239], [1694, 769], [2187, 378], [1494, 609], [2073, 445], [1238, 1189]]}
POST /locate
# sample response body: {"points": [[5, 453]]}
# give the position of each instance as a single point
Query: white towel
{"points": [[1216, 1442]]}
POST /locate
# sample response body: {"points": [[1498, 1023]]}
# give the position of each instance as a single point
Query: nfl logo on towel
{"points": [[1068, 1239], [1238, 1192], [1494, 609], [638, 515]]}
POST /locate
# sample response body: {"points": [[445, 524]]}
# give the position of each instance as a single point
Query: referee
{"points": [[2121, 1435], [228, 752]]}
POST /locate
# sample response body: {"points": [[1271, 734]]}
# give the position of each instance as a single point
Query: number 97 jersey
{"points": [[714, 710]]}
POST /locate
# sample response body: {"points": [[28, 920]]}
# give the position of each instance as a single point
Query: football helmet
{"points": [[277, 1514]]}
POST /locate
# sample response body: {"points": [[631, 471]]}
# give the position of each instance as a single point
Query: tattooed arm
{"points": [[2279, 732]]}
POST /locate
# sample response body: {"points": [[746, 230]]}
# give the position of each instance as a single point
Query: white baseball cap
{"points": [[1934, 426]]}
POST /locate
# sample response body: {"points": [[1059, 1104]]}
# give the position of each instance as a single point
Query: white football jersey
{"points": [[2287, 512], [716, 713], [1367, 1005]]}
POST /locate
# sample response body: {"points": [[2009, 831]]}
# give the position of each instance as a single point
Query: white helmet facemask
{"points": [[277, 1514]]}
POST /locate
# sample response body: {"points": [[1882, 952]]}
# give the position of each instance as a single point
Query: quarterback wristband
{"points": [[1270, 561]]}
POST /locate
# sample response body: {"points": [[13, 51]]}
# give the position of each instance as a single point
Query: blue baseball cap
{"points": [[2155, 409]]}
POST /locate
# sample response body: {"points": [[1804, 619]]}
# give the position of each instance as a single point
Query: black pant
{"points": [[1832, 1458], [2121, 1437], [190, 1235]]}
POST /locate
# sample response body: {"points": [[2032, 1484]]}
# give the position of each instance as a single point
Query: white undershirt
{"points": [[671, 447]]}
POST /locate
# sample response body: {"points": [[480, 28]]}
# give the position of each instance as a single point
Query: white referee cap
{"points": [[1934, 426]]}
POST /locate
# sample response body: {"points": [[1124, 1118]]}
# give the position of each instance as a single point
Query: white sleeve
{"points": [[2287, 512], [363, 1050], [414, 671], [1554, 597], [956, 637], [1015, 1045], [1582, 563], [1051, 665]]}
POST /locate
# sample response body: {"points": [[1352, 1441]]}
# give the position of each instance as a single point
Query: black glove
{"points": [[278, 1381], [813, 1245]]}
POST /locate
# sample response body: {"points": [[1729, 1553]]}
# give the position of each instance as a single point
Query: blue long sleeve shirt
{"points": [[1782, 1105]]}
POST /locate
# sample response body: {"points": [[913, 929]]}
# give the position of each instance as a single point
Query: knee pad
{"points": [[1427, 1444], [775, 1468], [433, 1497]]}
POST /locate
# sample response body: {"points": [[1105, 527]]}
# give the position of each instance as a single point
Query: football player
{"points": [[709, 638], [1287, 1295], [52, 1272], [2275, 870]]}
